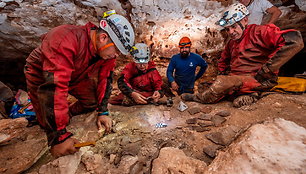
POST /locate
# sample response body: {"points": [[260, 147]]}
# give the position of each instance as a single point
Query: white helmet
{"points": [[233, 14], [142, 53], [119, 29]]}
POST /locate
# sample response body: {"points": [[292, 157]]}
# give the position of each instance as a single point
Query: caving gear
{"points": [[290, 84], [293, 43], [132, 79], [234, 13], [224, 85], [120, 31], [252, 62], [64, 63], [241, 57], [142, 55], [185, 42]]}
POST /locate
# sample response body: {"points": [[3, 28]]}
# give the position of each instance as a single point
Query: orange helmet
{"points": [[185, 42]]}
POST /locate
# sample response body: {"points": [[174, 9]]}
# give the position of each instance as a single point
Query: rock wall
{"points": [[159, 23]]}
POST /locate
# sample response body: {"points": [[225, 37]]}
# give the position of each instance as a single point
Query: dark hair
{"points": [[100, 30]]}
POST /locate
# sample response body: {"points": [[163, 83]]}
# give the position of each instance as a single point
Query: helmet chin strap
{"points": [[241, 26], [94, 42], [105, 46]]}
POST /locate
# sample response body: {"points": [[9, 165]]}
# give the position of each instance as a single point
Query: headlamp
{"points": [[134, 51], [108, 13], [141, 59], [221, 22]]}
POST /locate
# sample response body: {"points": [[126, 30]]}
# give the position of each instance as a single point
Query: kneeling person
{"points": [[140, 82]]}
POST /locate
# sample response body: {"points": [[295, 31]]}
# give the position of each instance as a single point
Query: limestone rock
{"points": [[194, 110], [174, 160], [192, 121], [200, 129], [11, 129], [205, 124], [273, 147], [21, 146], [224, 113], [205, 117], [211, 150], [301, 4], [218, 120], [206, 109], [224, 136], [91, 161], [64, 165], [126, 164]]}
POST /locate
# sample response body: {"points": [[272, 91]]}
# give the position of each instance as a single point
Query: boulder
{"points": [[21, 146], [174, 160], [276, 146]]}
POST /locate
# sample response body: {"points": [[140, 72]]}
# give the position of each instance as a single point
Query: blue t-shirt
{"points": [[185, 68]]}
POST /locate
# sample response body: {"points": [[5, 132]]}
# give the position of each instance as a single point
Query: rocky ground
{"points": [[192, 137]]}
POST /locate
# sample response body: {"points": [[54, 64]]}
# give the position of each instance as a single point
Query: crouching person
{"points": [[78, 60], [251, 59], [140, 82]]}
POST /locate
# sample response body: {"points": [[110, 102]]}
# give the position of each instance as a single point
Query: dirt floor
{"points": [[135, 132]]}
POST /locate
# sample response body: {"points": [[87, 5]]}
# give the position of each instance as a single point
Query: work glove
{"points": [[266, 78], [265, 74]]}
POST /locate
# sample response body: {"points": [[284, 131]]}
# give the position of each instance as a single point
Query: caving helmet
{"points": [[119, 29], [234, 13], [142, 53], [185, 42]]}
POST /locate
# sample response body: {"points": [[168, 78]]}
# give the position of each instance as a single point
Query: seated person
{"points": [[140, 82], [258, 8], [251, 59], [183, 66]]}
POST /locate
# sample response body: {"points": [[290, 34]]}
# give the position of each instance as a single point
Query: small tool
{"points": [[89, 143]]}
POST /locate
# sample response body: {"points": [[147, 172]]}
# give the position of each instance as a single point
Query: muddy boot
{"points": [[187, 97], [209, 96], [191, 97], [245, 100]]}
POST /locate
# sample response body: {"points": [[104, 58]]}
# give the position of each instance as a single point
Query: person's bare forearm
{"points": [[275, 14]]}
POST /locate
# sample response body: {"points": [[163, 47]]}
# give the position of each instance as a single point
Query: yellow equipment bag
{"points": [[290, 84]]}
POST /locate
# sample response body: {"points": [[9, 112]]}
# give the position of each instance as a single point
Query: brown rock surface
{"points": [[273, 147], [224, 136], [137, 125], [21, 146], [175, 161]]}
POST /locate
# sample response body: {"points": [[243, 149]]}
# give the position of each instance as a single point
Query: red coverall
{"points": [[133, 79], [261, 48], [66, 62]]}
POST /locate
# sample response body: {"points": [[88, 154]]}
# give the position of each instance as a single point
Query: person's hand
{"points": [[174, 86], [138, 98], [106, 121], [64, 148], [156, 96]]}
